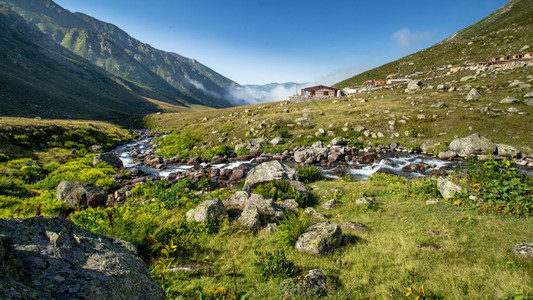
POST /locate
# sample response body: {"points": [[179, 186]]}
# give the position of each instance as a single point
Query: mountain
{"points": [[40, 78], [508, 30], [147, 71]]}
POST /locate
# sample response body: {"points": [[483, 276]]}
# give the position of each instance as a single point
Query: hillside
{"points": [[41, 79], [506, 31], [145, 70]]}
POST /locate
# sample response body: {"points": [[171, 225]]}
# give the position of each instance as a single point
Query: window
{"points": [[313, 93], [326, 93]]}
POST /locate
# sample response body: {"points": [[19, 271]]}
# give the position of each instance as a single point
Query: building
{"points": [[321, 92], [318, 92]]}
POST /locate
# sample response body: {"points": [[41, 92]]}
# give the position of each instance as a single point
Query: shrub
{"points": [[273, 265], [218, 150], [426, 188], [3, 157], [243, 151], [176, 144], [179, 194], [32, 173], [279, 190], [290, 228], [358, 145], [309, 174], [502, 189]]}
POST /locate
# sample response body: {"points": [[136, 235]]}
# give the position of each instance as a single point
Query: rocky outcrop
{"points": [[472, 145], [108, 158], [250, 217], [320, 238], [267, 208], [310, 155], [209, 210], [51, 258], [81, 195], [447, 188], [269, 171]]}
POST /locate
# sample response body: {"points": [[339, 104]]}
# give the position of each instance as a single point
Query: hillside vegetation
{"points": [[148, 71], [506, 31]]}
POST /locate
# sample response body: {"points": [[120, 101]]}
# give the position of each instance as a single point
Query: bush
{"points": [[243, 151], [290, 228], [273, 265], [218, 150], [279, 190], [32, 173], [309, 174], [176, 144], [501, 187], [179, 194], [3, 157], [78, 170], [425, 188]]}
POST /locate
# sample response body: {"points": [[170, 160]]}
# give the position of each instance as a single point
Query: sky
{"points": [[264, 41]]}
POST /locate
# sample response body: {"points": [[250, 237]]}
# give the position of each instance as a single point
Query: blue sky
{"points": [[263, 41]]}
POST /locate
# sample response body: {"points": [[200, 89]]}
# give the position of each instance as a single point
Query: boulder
{"points": [[472, 145], [467, 78], [81, 195], [365, 200], [269, 171], [218, 159], [509, 100], [524, 249], [314, 281], [338, 141], [414, 85], [447, 155], [108, 158], [310, 155], [268, 209], [473, 95], [507, 151], [331, 204], [311, 212], [95, 148], [277, 141], [289, 204], [354, 226], [447, 188], [320, 238], [209, 210], [250, 217], [529, 95], [55, 259]]}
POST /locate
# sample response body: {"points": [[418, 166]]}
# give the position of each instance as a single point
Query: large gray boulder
{"points": [[269, 171], [250, 217], [108, 158], [472, 145], [447, 188], [414, 85], [209, 210], [51, 258], [310, 155], [473, 95], [507, 151], [320, 238], [81, 195], [267, 208]]}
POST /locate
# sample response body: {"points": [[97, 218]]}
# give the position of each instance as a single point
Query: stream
{"points": [[392, 163]]}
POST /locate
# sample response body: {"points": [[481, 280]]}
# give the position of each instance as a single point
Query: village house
{"points": [[318, 92]]}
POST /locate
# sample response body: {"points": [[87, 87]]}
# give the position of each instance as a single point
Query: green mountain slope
{"points": [[40, 78], [150, 72], [506, 31]]}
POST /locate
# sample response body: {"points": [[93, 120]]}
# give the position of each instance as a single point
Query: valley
{"points": [[138, 184]]}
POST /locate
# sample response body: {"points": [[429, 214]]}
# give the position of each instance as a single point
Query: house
{"points": [[321, 92]]}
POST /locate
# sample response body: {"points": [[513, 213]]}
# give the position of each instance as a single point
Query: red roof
{"points": [[317, 87]]}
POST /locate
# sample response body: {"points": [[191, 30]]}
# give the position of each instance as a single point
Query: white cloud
{"points": [[407, 40], [251, 94]]}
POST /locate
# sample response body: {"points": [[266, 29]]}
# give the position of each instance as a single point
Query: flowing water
{"points": [[390, 163]]}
